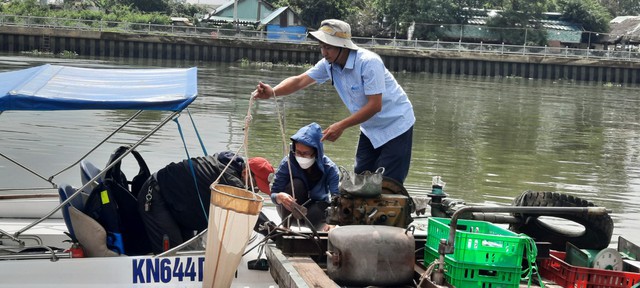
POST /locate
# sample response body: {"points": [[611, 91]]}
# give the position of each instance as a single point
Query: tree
{"points": [[593, 16], [148, 5], [105, 5], [427, 15], [518, 22], [621, 7], [26, 7], [312, 12], [367, 21]]}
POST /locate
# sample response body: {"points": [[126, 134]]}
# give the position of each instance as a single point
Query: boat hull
{"points": [[143, 271], [113, 272]]}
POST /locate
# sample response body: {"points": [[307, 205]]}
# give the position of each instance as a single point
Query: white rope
{"points": [[285, 150], [245, 144]]}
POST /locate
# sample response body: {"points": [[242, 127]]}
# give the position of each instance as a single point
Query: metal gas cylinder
{"points": [[371, 255]]}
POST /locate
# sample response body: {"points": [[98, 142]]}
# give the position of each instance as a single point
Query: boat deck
{"points": [[295, 261], [301, 271]]}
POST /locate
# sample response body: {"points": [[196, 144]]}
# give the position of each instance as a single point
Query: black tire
{"points": [[392, 186], [597, 232]]}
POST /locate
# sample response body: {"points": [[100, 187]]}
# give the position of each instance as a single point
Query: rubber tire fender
{"points": [[598, 229]]}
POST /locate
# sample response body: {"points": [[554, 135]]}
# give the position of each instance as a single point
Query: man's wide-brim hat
{"points": [[335, 33]]}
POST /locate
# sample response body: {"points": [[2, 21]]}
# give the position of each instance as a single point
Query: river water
{"points": [[489, 139]]}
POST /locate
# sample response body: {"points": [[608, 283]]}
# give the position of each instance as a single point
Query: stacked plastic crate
{"points": [[484, 255]]}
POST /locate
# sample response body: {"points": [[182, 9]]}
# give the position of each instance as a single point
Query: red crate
{"points": [[555, 269]]}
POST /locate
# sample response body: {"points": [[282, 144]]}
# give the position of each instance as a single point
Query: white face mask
{"points": [[305, 162]]}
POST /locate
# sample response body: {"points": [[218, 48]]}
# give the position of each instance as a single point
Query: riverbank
{"points": [[437, 57]]}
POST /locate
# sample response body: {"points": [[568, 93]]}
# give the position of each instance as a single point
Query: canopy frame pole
{"points": [[27, 169], [50, 179], [95, 178], [133, 117]]}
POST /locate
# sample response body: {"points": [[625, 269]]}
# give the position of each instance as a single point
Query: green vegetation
{"points": [[423, 19], [388, 18], [68, 54], [131, 11]]}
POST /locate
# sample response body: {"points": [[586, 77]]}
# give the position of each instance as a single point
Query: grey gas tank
{"points": [[371, 255]]}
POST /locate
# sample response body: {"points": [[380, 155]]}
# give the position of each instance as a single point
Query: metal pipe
{"points": [[173, 251], [54, 256], [496, 218], [448, 247], [104, 171]]}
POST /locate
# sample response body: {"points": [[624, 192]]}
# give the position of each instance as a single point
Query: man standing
{"points": [[373, 96]]}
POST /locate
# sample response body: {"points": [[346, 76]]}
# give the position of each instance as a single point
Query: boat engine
{"points": [[392, 207]]}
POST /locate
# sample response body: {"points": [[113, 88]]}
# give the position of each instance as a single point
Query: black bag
{"points": [[115, 206]]}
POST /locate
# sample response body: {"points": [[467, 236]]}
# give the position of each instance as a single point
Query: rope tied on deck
{"points": [[532, 253]]}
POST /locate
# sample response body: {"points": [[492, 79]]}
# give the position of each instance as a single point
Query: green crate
{"points": [[463, 275], [479, 242]]}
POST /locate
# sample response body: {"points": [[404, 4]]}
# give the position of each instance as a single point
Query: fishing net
{"points": [[232, 214]]}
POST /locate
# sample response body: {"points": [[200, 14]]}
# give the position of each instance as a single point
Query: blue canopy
{"points": [[54, 87]]}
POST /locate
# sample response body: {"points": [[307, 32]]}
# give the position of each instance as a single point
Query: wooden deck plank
{"points": [[296, 272], [302, 272]]}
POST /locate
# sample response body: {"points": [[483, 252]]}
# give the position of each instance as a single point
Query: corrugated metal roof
{"points": [[560, 25], [621, 19], [557, 30], [273, 15], [223, 7], [625, 28], [549, 24], [230, 19], [477, 21]]}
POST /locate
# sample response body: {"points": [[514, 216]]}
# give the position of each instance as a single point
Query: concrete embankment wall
{"points": [[124, 45]]}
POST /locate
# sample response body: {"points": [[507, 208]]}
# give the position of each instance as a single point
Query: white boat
{"points": [[34, 249]]}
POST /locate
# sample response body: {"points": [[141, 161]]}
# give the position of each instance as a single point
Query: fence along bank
{"points": [[411, 56]]}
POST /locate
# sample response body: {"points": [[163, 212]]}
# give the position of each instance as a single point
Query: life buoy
{"points": [[596, 234]]}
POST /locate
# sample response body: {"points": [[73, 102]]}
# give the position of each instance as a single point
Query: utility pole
{"points": [[235, 15], [395, 29]]}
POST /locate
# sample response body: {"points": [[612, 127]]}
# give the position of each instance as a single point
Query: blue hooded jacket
{"points": [[309, 135]]}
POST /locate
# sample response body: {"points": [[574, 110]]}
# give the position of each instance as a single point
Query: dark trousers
{"points": [[158, 219], [315, 209], [394, 156]]}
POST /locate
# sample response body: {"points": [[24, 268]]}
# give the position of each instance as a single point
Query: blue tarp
{"points": [[54, 87], [291, 33]]}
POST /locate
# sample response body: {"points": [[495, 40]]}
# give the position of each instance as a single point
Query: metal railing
{"points": [[283, 37], [501, 49]]}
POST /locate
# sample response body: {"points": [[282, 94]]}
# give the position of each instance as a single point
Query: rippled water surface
{"points": [[489, 138]]}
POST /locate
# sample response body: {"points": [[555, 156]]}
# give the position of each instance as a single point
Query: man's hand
{"points": [[263, 91], [332, 133]]}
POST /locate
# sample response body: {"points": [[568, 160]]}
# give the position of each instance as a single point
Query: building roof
{"points": [[557, 30], [248, 12], [273, 15], [624, 28], [230, 4], [224, 6]]}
